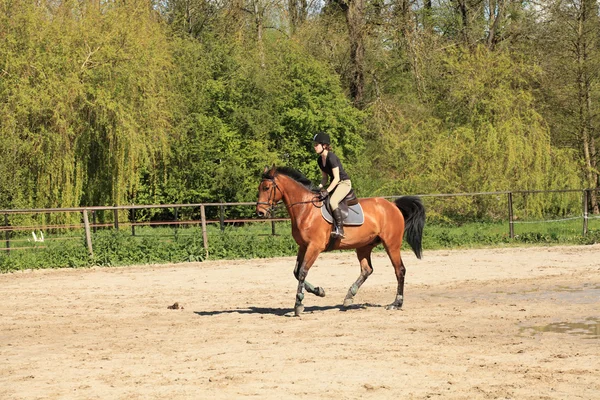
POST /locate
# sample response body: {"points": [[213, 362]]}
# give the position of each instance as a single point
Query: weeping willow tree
{"points": [[483, 134], [83, 100]]}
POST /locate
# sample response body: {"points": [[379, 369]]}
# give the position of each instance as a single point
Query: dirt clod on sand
{"points": [[513, 323]]}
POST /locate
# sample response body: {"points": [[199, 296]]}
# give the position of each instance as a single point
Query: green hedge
{"points": [[166, 245]]}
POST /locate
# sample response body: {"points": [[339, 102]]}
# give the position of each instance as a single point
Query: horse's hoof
{"points": [[393, 307], [298, 310], [320, 292], [348, 302]]}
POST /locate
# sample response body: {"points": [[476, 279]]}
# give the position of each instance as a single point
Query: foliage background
{"points": [[185, 101]]}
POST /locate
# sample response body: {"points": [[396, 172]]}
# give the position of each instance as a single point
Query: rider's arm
{"points": [[335, 180], [324, 179]]}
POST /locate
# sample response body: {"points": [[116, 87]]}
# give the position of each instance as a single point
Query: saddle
{"points": [[352, 211]]}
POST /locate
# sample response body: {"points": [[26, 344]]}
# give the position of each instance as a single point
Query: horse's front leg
{"points": [[310, 255], [317, 291]]}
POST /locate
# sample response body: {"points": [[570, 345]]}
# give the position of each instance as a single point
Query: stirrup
{"points": [[336, 234]]}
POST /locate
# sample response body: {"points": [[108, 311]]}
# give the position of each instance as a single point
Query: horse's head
{"points": [[268, 193]]}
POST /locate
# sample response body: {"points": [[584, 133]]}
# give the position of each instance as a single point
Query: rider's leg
{"points": [[341, 191], [338, 224]]}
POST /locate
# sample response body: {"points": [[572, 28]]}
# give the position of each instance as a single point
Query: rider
{"points": [[339, 186]]}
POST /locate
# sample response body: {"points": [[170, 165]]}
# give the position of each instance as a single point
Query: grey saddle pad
{"points": [[355, 215]]}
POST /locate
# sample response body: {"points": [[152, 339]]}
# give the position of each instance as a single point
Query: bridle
{"points": [[271, 199]]}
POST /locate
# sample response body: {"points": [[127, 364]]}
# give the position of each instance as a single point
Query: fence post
{"points": [[222, 218], [88, 234], [133, 222], [176, 220], [7, 234], [273, 224], [204, 234], [511, 226], [116, 214], [585, 211], [94, 220]]}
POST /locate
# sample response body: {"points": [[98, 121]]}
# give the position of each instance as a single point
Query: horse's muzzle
{"points": [[261, 212]]}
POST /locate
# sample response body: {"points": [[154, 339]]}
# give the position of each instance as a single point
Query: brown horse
{"points": [[385, 223]]}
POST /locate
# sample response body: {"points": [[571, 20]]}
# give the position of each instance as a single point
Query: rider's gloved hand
{"points": [[323, 195]]}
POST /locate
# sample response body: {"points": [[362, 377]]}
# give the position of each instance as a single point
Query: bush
{"points": [[166, 245]]}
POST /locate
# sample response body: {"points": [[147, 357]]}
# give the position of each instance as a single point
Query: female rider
{"points": [[339, 181]]}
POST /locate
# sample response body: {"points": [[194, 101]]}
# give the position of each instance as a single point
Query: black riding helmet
{"points": [[322, 138]]}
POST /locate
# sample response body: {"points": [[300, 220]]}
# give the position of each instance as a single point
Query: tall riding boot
{"points": [[339, 224]]}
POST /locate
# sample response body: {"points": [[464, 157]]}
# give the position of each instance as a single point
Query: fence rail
{"points": [[90, 225]]}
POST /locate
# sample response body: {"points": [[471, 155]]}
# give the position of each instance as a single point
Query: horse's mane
{"points": [[294, 174]]}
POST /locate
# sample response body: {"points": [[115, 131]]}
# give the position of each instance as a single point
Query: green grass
{"points": [[255, 240]]}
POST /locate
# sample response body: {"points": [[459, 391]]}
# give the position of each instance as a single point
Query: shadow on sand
{"points": [[283, 311]]}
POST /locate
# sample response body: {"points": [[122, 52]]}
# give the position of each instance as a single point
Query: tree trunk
{"points": [[293, 13], [258, 20], [464, 15], [298, 11], [496, 13], [427, 22], [354, 11], [411, 41], [585, 104], [236, 18]]}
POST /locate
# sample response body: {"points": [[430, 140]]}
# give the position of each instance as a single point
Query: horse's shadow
{"points": [[283, 312]]}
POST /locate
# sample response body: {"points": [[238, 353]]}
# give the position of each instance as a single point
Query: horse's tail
{"points": [[414, 220]]}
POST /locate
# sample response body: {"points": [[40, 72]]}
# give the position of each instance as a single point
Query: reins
{"points": [[313, 201], [274, 188]]}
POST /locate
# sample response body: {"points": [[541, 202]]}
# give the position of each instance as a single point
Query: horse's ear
{"points": [[270, 171], [265, 170]]}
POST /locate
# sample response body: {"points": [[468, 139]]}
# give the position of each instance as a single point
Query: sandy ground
{"points": [[518, 323]]}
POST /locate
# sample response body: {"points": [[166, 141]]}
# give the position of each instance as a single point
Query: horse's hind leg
{"points": [[366, 269], [317, 291], [400, 270]]}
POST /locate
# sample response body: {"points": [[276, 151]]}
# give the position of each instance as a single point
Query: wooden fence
{"points": [[89, 224]]}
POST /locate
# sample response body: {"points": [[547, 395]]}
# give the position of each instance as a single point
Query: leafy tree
{"points": [[236, 117], [484, 135], [186, 100], [569, 91], [85, 100]]}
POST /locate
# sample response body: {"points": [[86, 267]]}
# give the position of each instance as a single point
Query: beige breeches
{"points": [[342, 189]]}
